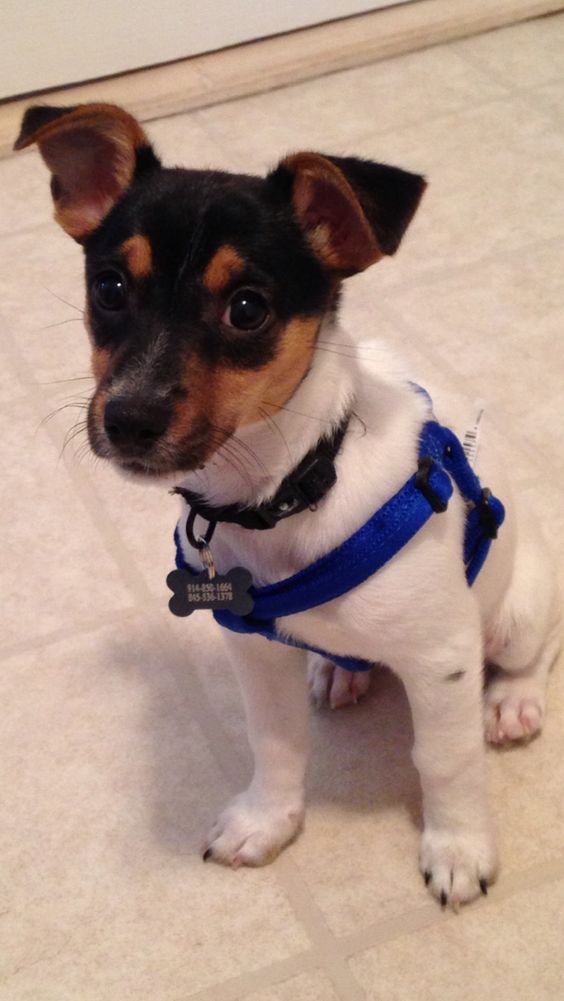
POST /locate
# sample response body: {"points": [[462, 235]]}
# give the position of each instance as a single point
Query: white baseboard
{"points": [[284, 59]]}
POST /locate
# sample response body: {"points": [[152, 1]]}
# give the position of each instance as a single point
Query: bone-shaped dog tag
{"points": [[194, 591]]}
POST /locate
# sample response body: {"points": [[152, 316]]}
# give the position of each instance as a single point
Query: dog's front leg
{"points": [[260, 821], [444, 688]]}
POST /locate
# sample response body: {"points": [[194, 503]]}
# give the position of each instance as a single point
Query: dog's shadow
{"points": [[192, 737], [361, 754]]}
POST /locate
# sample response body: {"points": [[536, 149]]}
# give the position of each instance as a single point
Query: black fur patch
{"points": [[187, 216]]}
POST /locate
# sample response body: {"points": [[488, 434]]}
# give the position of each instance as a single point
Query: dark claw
{"points": [[206, 855], [427, 877], [443, 899], [484, 887]]}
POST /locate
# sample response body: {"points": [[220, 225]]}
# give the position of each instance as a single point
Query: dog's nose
{"points": [[130, 426]]}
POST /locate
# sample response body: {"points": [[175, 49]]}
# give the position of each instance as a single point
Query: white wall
{"points": [[47, 43]]}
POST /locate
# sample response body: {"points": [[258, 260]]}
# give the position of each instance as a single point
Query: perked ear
{"points": [[92, 151], [353, 211]]}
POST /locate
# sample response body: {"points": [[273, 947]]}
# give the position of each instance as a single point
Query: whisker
{"points": [[337, 344], [309, 417], [65, 406], [56, 382], [84, 451], [341, 354], [272, 424], [235, 440], [240, 445], [66, 302], [234, 459], [71, 434], [72, 319], [362, 423]]}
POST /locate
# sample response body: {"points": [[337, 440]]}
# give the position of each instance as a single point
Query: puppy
{"points": [[219, 365]]}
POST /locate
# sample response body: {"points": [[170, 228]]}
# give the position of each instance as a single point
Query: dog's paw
{"points": [[332, 685], [249, 832], [514, 709], [457, 868]]}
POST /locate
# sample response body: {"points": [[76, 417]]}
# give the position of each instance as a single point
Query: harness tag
{"points": [[221, 591], [471, 439]]}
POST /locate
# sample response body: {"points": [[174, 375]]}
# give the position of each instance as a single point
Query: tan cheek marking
{"points": [[138, 256], [195, 410], [227, 398], [97, 408], [101, 364], [225, 263], [281, 377]]}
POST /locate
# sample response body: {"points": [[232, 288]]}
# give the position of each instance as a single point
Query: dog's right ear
{"points": [[93, 152]]}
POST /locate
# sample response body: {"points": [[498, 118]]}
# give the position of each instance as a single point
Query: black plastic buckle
{"points": [[422, 483], [487, 516], [306, 488]]}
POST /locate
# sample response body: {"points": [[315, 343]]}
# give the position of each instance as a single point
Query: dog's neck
{"points": [[249, 468]]}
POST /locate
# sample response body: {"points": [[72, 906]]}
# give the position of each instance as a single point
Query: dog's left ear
{"points": [[93, 152], [352, 211]]}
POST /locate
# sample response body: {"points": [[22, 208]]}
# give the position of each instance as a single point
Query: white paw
{"points": [[333, 686], [457, 868], [250, 833], [514, 708]]}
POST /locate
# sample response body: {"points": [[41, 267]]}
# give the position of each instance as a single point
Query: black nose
{"points": [[133, 427]]}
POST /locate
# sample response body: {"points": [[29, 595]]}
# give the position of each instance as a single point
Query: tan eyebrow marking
{"points": [[138, 255], [223, 265]]}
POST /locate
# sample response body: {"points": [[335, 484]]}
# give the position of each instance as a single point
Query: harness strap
{"points": [[360, 556], [486, 513], [441, 461]]}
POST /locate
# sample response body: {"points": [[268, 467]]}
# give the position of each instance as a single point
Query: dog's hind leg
{"points": [[333, 686], [522, 646]]}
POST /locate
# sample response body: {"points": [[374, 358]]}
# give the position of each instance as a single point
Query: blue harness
{"points": [[442, 462]]}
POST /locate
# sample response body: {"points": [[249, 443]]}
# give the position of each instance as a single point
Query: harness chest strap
{"points": [[428, 491]]}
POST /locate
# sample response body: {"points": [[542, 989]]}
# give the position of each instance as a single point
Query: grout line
{"points": [[435, 276], [325, 942], [82, 628], [85, 490], [485, 65], [229, 759], [441, 116], [382, 932], [325, 952], [464, 386], [306, 53], [237, 988], [527, 92], [413, 921]]}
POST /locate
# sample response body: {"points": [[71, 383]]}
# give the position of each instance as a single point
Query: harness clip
{"points": [[422, 483], [488, 519]]}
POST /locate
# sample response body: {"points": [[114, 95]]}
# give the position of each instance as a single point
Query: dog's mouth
{"points": [[146, 459], [162, 462]]}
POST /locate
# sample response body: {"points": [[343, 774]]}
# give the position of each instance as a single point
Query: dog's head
{"points": [[205, 290]]}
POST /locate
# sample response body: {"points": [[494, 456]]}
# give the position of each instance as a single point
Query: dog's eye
{"points": [[109, 291], [247, 310]]}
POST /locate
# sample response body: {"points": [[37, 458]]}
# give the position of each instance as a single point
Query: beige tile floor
{"points": [[121, 729]]}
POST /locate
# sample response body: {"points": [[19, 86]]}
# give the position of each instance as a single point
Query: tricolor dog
{"points": [[323, 472]]}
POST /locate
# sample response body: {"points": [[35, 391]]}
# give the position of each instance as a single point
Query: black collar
{"points": [[303, 488]]}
